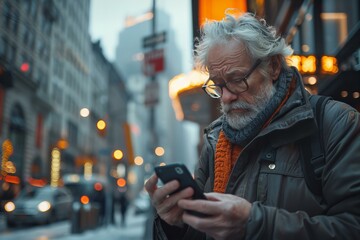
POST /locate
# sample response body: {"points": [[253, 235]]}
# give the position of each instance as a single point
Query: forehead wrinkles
{"points": [[222, 64]]}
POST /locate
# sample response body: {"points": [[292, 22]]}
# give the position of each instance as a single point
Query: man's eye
{"points": [[238, 80]]}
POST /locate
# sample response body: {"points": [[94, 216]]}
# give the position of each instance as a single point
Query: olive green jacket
{"points": [[268, 174]]}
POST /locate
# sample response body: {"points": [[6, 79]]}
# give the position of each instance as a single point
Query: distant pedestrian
{"points": [[123, 201]]}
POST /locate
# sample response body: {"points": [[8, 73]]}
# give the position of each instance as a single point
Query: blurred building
{"points": [[49, 71], [70, 82], [148, 56], [325, 36], [25, 49]]}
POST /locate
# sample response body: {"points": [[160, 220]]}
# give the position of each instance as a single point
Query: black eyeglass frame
{"points": [[221, 85]]}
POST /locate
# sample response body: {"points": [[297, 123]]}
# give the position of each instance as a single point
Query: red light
{"points": [[25, 67], [98, 186]]}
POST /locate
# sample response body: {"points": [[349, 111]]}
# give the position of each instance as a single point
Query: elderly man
{"points": [[250, 166]]}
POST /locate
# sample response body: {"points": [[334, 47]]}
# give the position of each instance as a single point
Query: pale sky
{"points": [[107, 19]]}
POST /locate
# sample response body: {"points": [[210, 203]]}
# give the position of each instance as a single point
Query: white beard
{"points": [[239, 121]]}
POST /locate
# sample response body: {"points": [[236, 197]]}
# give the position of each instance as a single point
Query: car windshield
{"points": [[35, 193]]}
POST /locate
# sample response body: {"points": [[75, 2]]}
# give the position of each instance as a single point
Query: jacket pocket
{"points": [[281, 182]]}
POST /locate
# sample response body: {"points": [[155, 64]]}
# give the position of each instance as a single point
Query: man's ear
{"points": [[275, 67]]}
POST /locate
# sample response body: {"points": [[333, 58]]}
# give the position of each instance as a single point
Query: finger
{"points": [[206, 224], [163, 192], [198, 222], [203, 206], [150, 185], [172, 200]]}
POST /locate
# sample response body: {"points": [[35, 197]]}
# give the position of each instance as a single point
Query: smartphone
{"points": [[181, 173]]}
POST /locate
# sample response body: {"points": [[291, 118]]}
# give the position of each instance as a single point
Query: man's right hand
{"points": [[166, 204]]}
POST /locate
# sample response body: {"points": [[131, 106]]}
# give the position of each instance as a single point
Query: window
{"points": [[42, 81], [29, 37], [9, 51], [11, 18], [58, 94]]}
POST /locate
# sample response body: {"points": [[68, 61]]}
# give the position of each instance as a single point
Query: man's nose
{"points": [[227, 96]]}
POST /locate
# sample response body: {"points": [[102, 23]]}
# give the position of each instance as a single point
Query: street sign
{"points": [[153, 62], [152, 40]]}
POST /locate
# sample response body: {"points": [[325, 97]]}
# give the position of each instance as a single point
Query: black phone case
{"points": [[181, 173]]}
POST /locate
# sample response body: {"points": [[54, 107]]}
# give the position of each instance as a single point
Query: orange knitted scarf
{"points": [[226, 153]]}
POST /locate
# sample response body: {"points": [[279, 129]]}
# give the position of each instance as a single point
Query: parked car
{"points": [[39, 205]]}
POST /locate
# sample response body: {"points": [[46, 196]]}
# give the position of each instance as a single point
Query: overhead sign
{"points": [[152, 40], [153, 62]]}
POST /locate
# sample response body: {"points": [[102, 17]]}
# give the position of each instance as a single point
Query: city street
{"points": [[134, 230]]}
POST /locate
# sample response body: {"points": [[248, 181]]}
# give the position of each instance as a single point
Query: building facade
{"points": [[25, 49], [325, 36], [49, 71]]}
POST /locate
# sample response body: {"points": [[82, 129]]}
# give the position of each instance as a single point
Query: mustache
{"points": [[235, 105]]}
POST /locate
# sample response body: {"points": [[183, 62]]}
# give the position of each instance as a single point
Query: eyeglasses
{"points": [[235, 86]]}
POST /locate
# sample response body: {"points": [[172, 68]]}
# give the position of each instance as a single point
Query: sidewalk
{"points": [[134, 230]]}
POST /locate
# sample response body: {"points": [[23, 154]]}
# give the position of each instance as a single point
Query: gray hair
{"points": [[259, 39]]}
